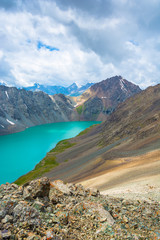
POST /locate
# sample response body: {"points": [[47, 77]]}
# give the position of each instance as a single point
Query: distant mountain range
{"points": [[20, 108], [72, 90]]}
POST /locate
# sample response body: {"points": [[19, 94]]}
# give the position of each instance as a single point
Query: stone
{"points": [[37, 188], [49, 235], [5, 234], [15, 186], [7, 219], [125, 219], [22, 212], [63, 217], [53, 198], [94, 192], [98, 210], [38, 205], [61, 187], [2, 214], [55, 219]]}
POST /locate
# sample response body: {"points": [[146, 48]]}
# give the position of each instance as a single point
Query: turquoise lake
{"points": [[20, 152]]}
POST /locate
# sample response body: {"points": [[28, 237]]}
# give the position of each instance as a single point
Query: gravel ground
{"points": [[46, 210], [147, 189]]}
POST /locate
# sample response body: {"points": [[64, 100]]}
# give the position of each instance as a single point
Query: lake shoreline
{"points": [[32, 138]]}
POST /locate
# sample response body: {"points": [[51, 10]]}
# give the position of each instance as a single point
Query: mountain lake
{"points": [[20, 152]]}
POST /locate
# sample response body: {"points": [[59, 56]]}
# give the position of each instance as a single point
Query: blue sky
{"points": [[58, 42], [50, 48]]}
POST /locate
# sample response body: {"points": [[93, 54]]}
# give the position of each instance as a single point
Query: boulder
{"points": [[37, 188], [58, 191], [26, 214], [94, 192], [5, 234], [93, 208], [7, 219], [61, 187]]}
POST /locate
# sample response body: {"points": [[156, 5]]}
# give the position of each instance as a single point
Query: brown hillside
{"points": [[132, 130]]}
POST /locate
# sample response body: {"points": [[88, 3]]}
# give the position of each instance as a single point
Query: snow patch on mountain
{"points": [[12, 123], [7, 94], [122, 85]]}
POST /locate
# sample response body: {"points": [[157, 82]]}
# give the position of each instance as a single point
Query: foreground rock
{"points": [[53, 210]]}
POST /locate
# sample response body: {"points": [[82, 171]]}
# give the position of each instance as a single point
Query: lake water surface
{"points": [[20, 152]]}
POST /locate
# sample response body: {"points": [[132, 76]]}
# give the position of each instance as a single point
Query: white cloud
{"points": [[96, 40]]}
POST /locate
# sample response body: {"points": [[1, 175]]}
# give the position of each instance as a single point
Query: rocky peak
{"points": [[114, 83], [73, 86], [3, 88], [109, 93]]}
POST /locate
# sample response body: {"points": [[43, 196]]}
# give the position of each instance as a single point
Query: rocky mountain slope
{"points": [[45, 210], [20, 109], [72, 90], [103, 97], [125, 140]]}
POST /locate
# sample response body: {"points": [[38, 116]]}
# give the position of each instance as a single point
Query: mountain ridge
{"points": [[20, 108], [72, 90]]}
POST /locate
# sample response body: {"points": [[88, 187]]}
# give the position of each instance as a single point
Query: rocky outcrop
{"points": [[20, 109], [44, 210], [38, 188]]}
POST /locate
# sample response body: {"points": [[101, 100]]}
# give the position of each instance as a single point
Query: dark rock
{"points": [[37, 188]]}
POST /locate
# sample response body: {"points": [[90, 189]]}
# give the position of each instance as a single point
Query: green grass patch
{"points": [[61, 146], [46, 164], [86, 130], [79, 109], [42, 167]]}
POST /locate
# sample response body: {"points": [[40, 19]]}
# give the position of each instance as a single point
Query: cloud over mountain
{"points": [[95, 39]]}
